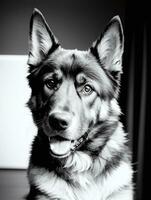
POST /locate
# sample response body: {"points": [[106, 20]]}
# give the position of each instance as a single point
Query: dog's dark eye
{"points": [[51, 83], [87, 90]]}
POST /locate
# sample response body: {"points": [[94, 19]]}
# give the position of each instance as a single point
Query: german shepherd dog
{"points": [[80, 151]]}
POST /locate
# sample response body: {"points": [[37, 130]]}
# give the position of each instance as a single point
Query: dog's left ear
{"points": [[108, 49], [41, 39]]}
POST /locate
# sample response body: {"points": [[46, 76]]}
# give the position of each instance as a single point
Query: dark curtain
{"points": [[136, 91]]}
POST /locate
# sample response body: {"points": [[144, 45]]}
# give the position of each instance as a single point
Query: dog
{"points": [[80, 151]]}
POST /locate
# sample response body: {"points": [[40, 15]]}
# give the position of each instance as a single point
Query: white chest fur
{"points": [[86, 187]]}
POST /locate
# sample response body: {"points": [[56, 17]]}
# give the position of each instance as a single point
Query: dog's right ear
{"points": [[41, 39]]}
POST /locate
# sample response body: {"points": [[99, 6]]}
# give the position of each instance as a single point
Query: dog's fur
{"points": [[80, 151]]}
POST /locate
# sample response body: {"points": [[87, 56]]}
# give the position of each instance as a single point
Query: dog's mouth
{"points": [[60, 147]]}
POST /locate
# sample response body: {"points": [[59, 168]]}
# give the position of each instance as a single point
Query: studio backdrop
{"points": [[76, 24]]}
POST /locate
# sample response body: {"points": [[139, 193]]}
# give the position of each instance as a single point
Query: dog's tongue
{"points": [[60, 147]]}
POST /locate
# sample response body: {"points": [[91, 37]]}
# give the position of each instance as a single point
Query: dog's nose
{"points": [[58, 122]]}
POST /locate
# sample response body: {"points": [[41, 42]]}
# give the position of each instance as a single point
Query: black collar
{"points": [[79, 142]]}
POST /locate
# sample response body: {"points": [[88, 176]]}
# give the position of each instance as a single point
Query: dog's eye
{"points": [[87, 90], [51, 83]]}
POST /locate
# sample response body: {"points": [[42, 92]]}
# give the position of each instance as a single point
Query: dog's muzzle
{"points": [[61, 147]]}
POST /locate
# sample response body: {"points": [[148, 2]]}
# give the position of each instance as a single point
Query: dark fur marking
{"points": [[73, 57], [104, 131], [113, 163], [34, 192], [93, 101], [40, 155], [95, 53], [71, 70]]}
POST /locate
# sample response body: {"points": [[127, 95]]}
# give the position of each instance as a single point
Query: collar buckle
{"points": [[79, 142]]}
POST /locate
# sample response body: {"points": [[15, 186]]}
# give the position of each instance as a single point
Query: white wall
{"points": [[16, 126]]}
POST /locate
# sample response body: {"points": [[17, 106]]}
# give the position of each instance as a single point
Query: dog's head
{"points": [[72, 90]]}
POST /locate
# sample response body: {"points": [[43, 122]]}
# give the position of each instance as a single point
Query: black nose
{"points": [[57, 122]]}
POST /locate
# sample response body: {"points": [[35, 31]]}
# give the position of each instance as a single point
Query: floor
{"points": [[13, 184]]}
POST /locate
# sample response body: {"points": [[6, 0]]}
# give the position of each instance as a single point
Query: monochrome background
{"points": [[76, 24]]}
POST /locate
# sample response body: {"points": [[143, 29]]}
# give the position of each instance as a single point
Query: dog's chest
{"points": [[84, 188]]}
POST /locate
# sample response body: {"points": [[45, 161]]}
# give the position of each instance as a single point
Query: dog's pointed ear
{"points": [[41, 39], [108, 49]]}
